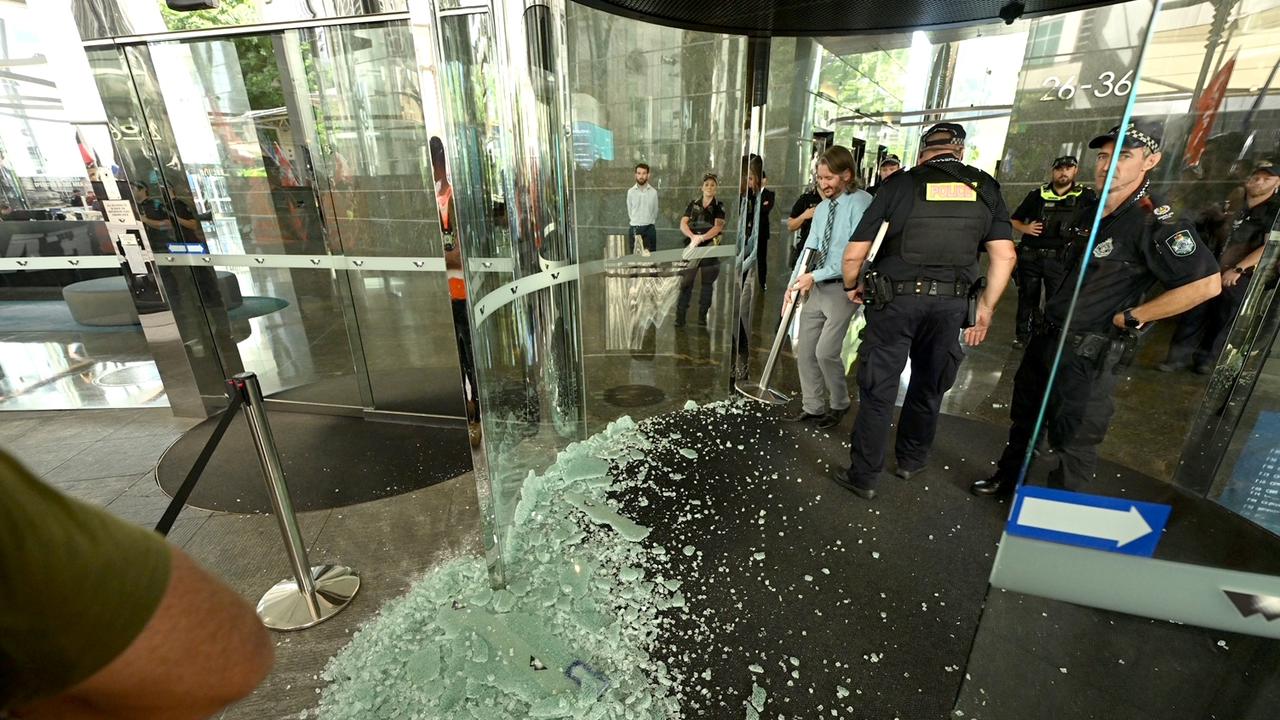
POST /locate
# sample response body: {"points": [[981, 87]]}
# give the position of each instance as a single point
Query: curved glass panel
{"points": [[676, 102]]}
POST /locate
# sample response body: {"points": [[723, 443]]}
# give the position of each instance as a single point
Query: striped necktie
{"points": [[826, 235]]}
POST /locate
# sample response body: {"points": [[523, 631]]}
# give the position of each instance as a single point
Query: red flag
{"points": [[287, 176], [84, 151], [1207, 112]]}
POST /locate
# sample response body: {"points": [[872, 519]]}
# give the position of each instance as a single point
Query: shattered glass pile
{"points": [[568, 637], [698, 564]]}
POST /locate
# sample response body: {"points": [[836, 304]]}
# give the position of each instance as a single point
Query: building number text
{"points": [[1105, 85]]}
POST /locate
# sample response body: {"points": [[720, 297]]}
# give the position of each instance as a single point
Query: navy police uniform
{"points": [[1202, 332], [1042, 266], [702, 218], [1138, 245], [917, 290]]}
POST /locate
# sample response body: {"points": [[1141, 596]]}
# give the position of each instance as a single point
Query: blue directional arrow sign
{"points": [[1092, 521]]}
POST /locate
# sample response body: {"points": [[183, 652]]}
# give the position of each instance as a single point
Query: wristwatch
{"points": [[850, 289], [1130, 321]]}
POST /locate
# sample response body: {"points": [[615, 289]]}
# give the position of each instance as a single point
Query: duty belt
{"points": [[935, 288], [1044, 252], [1118, 349]]}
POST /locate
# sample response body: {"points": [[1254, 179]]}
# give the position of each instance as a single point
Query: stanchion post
{"points": [[316, 593], [761, 390]]}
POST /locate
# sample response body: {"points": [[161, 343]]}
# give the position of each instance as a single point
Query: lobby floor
{"points": [[108, 457]]}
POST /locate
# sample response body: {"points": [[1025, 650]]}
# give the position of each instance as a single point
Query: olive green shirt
{"points": [[77, 586]]}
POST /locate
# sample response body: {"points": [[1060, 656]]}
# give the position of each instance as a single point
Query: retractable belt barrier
{"points": [[316, 592]]}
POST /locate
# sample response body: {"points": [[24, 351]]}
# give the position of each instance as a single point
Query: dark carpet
{"points": [[880, 599], [329, 461], [843, 608]]}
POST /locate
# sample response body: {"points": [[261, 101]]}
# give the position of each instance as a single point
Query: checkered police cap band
{"points": [[944, 134], [1151, 143], [1137, 135]]}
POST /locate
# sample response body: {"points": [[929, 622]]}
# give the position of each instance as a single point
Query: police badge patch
{"points": [[1181, 244], [1104, 248], [1164, 212]]}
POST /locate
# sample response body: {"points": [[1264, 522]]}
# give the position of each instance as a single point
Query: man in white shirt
{"points": [[642, 209]]}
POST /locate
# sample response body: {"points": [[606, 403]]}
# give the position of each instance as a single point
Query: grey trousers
{"points": [[824, 320]]}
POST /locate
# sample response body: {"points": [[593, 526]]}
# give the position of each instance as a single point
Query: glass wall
{"points": [[70, 334], [118, 18], [1157, 391], [659, 314], [299, 182]]}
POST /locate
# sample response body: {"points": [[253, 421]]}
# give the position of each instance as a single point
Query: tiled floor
{"points": [[107, 457]]}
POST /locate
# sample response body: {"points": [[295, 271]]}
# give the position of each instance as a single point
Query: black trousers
{"points": [[1081, 403], [926, 330], [648, 236], [1039, 277], [709, 269], [1202, 331]]}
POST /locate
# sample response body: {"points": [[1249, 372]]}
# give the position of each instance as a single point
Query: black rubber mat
{"points": [[811, 592], [880, 599], [329, 461]]}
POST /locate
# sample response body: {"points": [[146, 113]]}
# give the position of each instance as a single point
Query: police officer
{"points": [[801, 219], [1139, 243], [1041, 218], [1198, 340], [888, 166], [922, 282]]}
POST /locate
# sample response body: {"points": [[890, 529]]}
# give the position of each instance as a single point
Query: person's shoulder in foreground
{"points": [[103, 619]]}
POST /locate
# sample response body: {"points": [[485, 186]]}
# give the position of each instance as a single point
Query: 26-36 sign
{"points": [[1105, 85]]}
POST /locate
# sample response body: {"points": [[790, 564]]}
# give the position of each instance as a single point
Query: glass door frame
{"points": [[298, 100]]}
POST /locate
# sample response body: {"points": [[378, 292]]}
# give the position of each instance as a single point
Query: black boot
{"points": [[802, 416], [996, 485], [832, 418]]}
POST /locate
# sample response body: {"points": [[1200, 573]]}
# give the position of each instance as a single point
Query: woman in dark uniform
{"points": [[702, 224]]}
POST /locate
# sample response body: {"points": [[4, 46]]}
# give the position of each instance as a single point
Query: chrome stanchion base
{"points": [[753, 390], [285, 608]]}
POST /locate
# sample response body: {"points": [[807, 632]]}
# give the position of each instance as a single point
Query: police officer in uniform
{"points": [[1198, 340], [888, 166], [1042, 218], [922, 289], [1139, 243]]}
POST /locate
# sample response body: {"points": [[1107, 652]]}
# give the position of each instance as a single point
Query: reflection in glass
{"points": [[1204, 90], [1238, 426], [293, 148], [675, 101], [70, 332]]}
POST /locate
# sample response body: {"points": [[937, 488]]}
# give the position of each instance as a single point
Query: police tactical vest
{"points": [[948, 219], [1059, 210]]}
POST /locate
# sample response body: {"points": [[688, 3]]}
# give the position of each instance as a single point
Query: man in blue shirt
{"points": [[824, 319]]}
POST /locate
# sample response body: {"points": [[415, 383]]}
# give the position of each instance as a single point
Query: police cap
{"points": [[890, 160], [1066, 161], [944, 134], [1140, 133], [1266, 166]]}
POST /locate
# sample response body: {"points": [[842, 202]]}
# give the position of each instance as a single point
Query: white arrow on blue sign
{"points": [[1093, 521]]}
